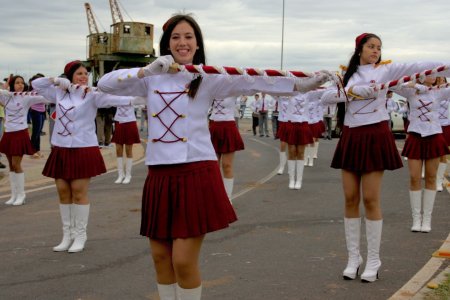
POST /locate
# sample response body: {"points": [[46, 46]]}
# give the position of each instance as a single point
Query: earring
{"points": [[198, 47]]}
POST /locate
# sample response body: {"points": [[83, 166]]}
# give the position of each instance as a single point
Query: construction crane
{"points": [[93, 29], [115, 12], [127, 45]]}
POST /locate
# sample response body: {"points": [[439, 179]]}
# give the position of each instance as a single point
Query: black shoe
{"points": [[261, 135]]}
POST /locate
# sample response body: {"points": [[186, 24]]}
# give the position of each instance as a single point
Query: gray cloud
{"points": [[42, 36]]}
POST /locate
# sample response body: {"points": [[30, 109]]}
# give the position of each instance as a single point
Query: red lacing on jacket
{"points": [[177, 116], [122, 111], [424, 110], [15, 116], [65, 120], [218, 107]]}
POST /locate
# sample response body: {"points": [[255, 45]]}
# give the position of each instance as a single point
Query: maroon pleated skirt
{"points": [[225, 136], [283, 129], [299, 134], [317, 129], [184, 200], [423, 148], [74, 163], [366, 149], [446, 133], [16, 143], [126, 133]]}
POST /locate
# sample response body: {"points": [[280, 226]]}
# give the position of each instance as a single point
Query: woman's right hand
{"points": [[159, 66], [62, 83]]}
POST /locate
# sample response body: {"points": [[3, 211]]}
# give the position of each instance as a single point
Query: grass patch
{"points": [[442, 292]]}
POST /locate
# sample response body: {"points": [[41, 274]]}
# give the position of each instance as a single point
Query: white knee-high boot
{"points": [[128, 166], [189, 294], [415, 198], [20, 189], [291, 172], [440, 176], [13, 184], [65, 211], [81, 217], [316, 149], [309, 161], [352, 238], [300, 168], [283, 159], [228, 183], [167, 291], [428, 203], [121, 175], [373, 235]]}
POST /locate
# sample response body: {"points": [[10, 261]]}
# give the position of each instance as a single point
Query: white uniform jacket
{"points": [[423, 109], [298, 108], [125, 114], [443, 112], [223, 109], [16, 109], [178, 131], [75, 113], [371, 111], [283, 105], [315, 110]]}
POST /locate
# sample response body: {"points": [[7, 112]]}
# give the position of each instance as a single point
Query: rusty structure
{"points": [[127, 45]]}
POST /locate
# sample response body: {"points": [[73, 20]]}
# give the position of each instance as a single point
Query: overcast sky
{"points": [[42, 36]]}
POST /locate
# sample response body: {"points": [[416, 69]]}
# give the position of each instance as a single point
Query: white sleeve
{"points": [[45, 87], [123, 83]]}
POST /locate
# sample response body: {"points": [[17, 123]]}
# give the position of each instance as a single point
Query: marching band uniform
{"points": [[368, 145], [425, 141], [125, 133], [316, 125], [16, 139], [75, 153], [181, 159], [445, 124], [299, 134], [281, 104], [225, 135]]}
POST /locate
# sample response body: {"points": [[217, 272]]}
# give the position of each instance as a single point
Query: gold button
{"points": [[119, 79], [182, 116], [129, 76], [185, 140], [153, 115]]}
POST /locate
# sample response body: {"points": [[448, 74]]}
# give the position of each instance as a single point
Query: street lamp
{"points": [[282, 37]]}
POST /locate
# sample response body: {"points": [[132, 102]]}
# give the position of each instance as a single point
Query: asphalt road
{"points": [[287, 244]]}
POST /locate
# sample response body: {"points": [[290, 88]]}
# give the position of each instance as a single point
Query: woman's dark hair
{"points": [[71, 67], [199, 57], [352, 68], [12, 81], [38, 75]]}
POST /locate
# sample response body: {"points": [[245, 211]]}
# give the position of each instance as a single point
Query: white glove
{"points": [[5, 93], [62, 83], [421, 89], [160, 66], [310, 83], [365, 91]]}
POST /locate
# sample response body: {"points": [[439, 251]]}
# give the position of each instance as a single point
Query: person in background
{"points": [[225, 138], [37, 114], [255, 113], [445, 124], [16, 140], [242, 105], [75, 156], [2, 121], [391, 106], [125, 135], [423, 147], [104, 121], [329, 111], [365, 123], [263, 110], [275, 114]]}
